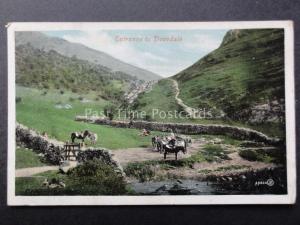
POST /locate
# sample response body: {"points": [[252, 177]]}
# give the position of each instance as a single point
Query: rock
{"points": [[243, 177], [45, 183], [62, 184], [161, 189], [51, 186], [229, 179], [217, 141], [179, 190], [179, 181]]}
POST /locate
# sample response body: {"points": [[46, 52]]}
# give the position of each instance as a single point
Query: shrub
{"points": [[46, 86], [249, 155], [142, 171], [96, 177], [214, 153], [61, 92], [18, 99], [74, 90]]}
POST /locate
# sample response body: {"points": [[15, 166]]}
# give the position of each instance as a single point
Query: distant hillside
{"points": [[244, 77], [40, 69], [46, 43]]}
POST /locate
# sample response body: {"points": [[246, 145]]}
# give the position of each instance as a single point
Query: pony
{"points": [[81, 135], [160, 143], [174, 146], [155, 141], [93, 137]]}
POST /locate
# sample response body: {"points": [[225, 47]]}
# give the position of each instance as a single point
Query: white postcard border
{"points": [[289, 198]]}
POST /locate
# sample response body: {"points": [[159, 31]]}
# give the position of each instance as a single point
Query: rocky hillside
{"points": [[244, 77], [43, 42], [51, 70]]}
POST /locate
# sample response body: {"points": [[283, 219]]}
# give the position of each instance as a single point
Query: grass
{"points": [[238, 75], [26, 158], [264, 155], [224, 139], [162, 98], [146, 170], [212, 152], [91, 178], [224, 168], [37, 110]]}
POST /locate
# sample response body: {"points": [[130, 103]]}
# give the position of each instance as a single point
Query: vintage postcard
{"points": [[151, 113]]}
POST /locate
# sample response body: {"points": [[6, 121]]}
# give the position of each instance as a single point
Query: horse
{"points": [[174, 146], [93, 137], [160, 143], [154, 141], [83, 135]]}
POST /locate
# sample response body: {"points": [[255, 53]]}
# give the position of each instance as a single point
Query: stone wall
{"points": [[53, 150], [213, 129], [50, 149]]}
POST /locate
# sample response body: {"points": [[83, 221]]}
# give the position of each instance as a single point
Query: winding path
{"points": [[28, 172], [189, 110]]}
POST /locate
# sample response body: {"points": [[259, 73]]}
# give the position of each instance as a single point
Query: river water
{"points": [[173, 187]]}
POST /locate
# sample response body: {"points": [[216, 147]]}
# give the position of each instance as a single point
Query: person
{"points": [[145, 132]]}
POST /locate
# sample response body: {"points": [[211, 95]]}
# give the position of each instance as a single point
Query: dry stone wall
{"points": [[53, 150], [213, 129]]}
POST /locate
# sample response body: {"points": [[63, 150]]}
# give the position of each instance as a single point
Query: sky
{"points": [[164, 52]]}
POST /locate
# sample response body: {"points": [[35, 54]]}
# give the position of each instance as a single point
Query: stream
{"points": [[173, 187]]}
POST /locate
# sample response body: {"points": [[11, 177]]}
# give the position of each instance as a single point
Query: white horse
{"points": [[93, 137]]}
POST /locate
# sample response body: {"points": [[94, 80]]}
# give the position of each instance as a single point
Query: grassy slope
{"points": [[38, 111], [161, 97], [239, 74], [26, 158], [40, 69]]}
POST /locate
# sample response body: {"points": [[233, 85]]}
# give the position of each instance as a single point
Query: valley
{"points": [[240, 84]]}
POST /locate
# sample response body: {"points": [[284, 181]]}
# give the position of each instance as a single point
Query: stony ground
{"points": [[199, 170], [235, 164]]}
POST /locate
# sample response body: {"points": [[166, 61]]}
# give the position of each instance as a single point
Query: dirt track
{"points": [[124, 156], [28, 172]]}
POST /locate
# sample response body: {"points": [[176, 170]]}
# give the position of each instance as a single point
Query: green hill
{"points": [[51, 70], [157, 101], [244, 77]]}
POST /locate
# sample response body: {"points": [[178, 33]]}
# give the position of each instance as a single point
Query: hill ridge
{"points": [[44, 42]]}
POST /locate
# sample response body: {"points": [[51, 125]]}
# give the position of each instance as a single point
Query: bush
{"points": [[74, 90], [18, 99], [143, 172], [61, 92], [214, 153], [91, 178], [46, 86], [250, 155], [96, 177]]}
